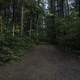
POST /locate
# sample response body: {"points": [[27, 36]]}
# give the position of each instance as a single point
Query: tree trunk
{"points": [[13, 30], [79, 8], [22, 19], [37, 27], [66, 8], [1, 25], [30, 32]]}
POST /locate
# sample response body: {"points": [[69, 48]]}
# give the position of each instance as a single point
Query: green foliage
{"points": [[17, 19], [64, 27], [67, 31], [12, 48]]}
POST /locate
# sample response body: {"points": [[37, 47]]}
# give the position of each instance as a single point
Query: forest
{"points": [[25, 23]]}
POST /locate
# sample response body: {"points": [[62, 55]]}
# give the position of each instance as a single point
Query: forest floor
{"points": [[43, 62]]}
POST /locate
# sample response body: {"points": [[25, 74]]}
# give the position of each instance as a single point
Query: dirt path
{"points": [[43, 62]]}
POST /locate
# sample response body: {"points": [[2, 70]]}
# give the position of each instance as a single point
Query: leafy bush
{"points": [[12, 47], [67, 32]]}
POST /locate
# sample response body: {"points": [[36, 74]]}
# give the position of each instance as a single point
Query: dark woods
{"points": [[24, 23], [64, 29], [20, 21]]}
